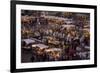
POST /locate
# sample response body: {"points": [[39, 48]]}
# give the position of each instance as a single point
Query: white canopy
{"points": [[68, 26], [28, 41], [40, 45], [53, 49]]}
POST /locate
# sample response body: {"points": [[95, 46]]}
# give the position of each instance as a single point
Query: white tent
{"points": [[40, 45], [68, 26], [28, 41], [53, 49]]}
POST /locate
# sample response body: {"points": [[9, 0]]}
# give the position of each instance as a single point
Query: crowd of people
{"points": [[65, 41]]}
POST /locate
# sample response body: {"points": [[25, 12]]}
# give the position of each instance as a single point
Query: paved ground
{"points": [[26, 56]]}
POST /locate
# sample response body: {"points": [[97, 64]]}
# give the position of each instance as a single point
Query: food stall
{"points": [[26, 43], [54, 53], [39, 48], [68, 26]]}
